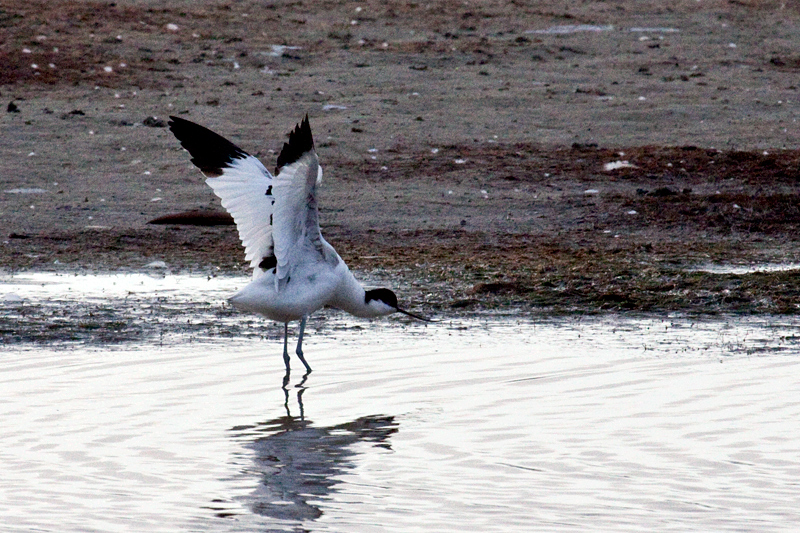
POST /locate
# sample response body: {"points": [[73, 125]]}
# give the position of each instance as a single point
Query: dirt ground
{"points": [[542, 156]]}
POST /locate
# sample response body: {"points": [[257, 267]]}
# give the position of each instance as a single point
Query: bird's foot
{"points": [[302, 384], [299, 353]]}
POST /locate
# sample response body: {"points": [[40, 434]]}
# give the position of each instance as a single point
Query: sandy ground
{"points": [[465, 144]]}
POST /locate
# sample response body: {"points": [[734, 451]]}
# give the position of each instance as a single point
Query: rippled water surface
{"points": [[481, 423]]}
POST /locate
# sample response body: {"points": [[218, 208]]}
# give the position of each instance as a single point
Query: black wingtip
{"points": [[300, 142], [210, 152]]}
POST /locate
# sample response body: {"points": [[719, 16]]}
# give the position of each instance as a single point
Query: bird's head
{"points": [[384, 302]]}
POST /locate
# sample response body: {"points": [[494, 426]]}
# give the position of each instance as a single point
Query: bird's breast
{"points": [[306, 289]]}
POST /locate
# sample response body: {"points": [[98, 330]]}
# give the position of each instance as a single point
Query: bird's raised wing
{"points": [[296, 221], [242, 183]]}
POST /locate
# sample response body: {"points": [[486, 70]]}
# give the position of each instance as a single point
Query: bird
{"points": [[295, 271]]}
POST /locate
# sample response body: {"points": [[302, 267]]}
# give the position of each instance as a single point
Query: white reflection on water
{"points": [[487, 424], [32, 286], [745, 269], [46, 307]]}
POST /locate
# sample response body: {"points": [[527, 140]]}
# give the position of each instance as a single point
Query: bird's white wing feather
{"points": [[295, 217], [277, 217], [245, 189], [241, 182]]}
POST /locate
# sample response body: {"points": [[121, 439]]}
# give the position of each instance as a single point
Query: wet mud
{"points": [[543, 159], [568, 242]]}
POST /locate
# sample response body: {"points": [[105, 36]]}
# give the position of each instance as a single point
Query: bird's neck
{"points": [[350, 298]]}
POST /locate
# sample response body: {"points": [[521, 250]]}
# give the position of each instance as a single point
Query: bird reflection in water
{"points": [[298, 463]]}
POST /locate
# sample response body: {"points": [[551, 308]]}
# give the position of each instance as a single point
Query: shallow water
{"points": [[486, 423], [746, 269]]}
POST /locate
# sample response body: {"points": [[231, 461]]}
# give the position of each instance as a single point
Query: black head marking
{"points": [[210, 152], [300, 142], [384, 295], [269, 190], [389, 298]]}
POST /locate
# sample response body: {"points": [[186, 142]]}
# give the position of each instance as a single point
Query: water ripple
{"points": [[491, 424]]}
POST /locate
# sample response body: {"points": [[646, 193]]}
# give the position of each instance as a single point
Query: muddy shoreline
{"points": [[548, 158], [575, 244]]}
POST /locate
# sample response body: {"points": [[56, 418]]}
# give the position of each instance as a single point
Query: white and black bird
{"points": [[295, 271]]}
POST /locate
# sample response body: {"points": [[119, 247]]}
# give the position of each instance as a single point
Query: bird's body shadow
{"points": [[297, 463]]}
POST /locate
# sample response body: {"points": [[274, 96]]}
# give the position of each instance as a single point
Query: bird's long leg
{"points": [[300, 402], [286, 347], [299, 350], [286, 395]]}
